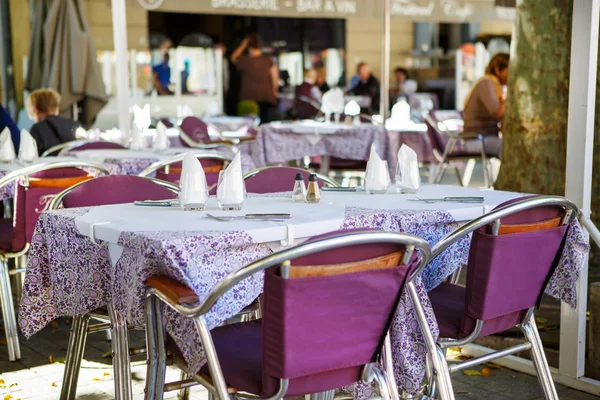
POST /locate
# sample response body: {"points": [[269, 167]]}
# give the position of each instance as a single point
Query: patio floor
{"points": [[38, 375]]}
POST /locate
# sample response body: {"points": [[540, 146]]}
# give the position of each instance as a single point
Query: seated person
{"points": [[367, 86], [308, 96], [49, 129], [7, 121]]}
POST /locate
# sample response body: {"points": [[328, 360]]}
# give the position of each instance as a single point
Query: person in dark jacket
{"points": [[49, 129], [368, 86], [308, 96], [6, 121]]}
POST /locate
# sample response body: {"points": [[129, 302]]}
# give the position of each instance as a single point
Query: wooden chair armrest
{"points": [[177, 292]]}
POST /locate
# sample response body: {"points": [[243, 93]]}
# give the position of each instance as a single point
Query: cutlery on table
{"points": [[255, 217], [475, 200]]}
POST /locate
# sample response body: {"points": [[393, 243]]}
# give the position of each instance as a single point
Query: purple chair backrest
{"points": [[195, 129], [508, 273], [115, 189], [276, 179], [30, 202], [98, 145], [320, 331]]}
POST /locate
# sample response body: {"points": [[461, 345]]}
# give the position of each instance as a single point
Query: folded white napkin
{"points": [[141, 116], [352, 108], [161, 140], [401, 112], [231, 189], [186, 111], [377, 178], [28, 151], [137, 138], [7, 148], [407, 173], [333, 102], [193, 192]]}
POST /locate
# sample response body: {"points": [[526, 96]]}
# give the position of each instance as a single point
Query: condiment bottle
{"points": [[313, 193], [299, 193]]}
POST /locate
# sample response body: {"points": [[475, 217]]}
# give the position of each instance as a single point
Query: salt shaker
{"points": [[313, 193], [299, 193]]}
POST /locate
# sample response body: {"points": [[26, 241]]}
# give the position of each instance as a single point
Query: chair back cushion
{"points": [[508, 272], [31, 201], [319, 331], [97, 146], [195, 129], [276, 179], [115, 189]]}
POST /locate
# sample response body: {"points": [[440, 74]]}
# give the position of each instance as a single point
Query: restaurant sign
{"points": [[416, 10]]}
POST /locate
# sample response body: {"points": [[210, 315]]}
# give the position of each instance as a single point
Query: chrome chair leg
{"points": [[161, 366], [444, 163], [121, 360], [539, 359], [388, 365], [184, 393], [438, 358], [213, 360], [328, 395], [151, 349], [75, 351], [8, 313]]}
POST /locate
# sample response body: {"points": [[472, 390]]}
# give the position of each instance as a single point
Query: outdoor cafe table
{"points": [[280, 142], [68, 274]]}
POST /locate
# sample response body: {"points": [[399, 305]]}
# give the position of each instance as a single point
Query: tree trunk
{"points": [[535, 124]]}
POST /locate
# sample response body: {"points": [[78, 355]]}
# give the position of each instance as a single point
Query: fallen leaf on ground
{"points": [[107, 374], [3, 342], [463, 358], [8, 397], [486, 372], [97, 379], [493, 365], [461, 391], [541, 320], [53, 384], [54, 324], [107, 354], [51, 359], [471, 372]]}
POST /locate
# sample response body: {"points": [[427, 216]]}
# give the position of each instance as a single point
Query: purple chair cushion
{"points": [[195, 129], [276, 179], [448, 302], [115, 189], [6, 234], [98, 145], [240, 348]]}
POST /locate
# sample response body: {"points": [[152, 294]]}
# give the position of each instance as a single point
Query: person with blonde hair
{"points": [[49, 129], [485, 104]]}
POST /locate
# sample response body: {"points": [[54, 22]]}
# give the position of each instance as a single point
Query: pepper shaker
{"points": [[299, 193], [313, 193]]}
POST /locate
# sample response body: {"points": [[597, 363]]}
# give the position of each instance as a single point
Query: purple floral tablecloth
{"points": [[276, 145], [69, 275], [7, 191]]}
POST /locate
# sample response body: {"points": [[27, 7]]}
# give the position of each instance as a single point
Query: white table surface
{"points": [[16, 165], [310, 127]]}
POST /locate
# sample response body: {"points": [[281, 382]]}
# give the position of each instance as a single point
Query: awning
{"points": [[414, 10]]}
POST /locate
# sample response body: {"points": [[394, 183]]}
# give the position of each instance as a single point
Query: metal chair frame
{"points": [[437, 350], [179, 158], [446, 159], [324, 178], [66, 147], [81, 327], [155, 379], [6, 300]]}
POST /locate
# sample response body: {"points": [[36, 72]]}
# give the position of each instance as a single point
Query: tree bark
{"points": [[535, 124]]}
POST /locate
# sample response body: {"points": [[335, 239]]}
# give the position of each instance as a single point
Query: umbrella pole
{"points": [[384, 104], [122, 72]]}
